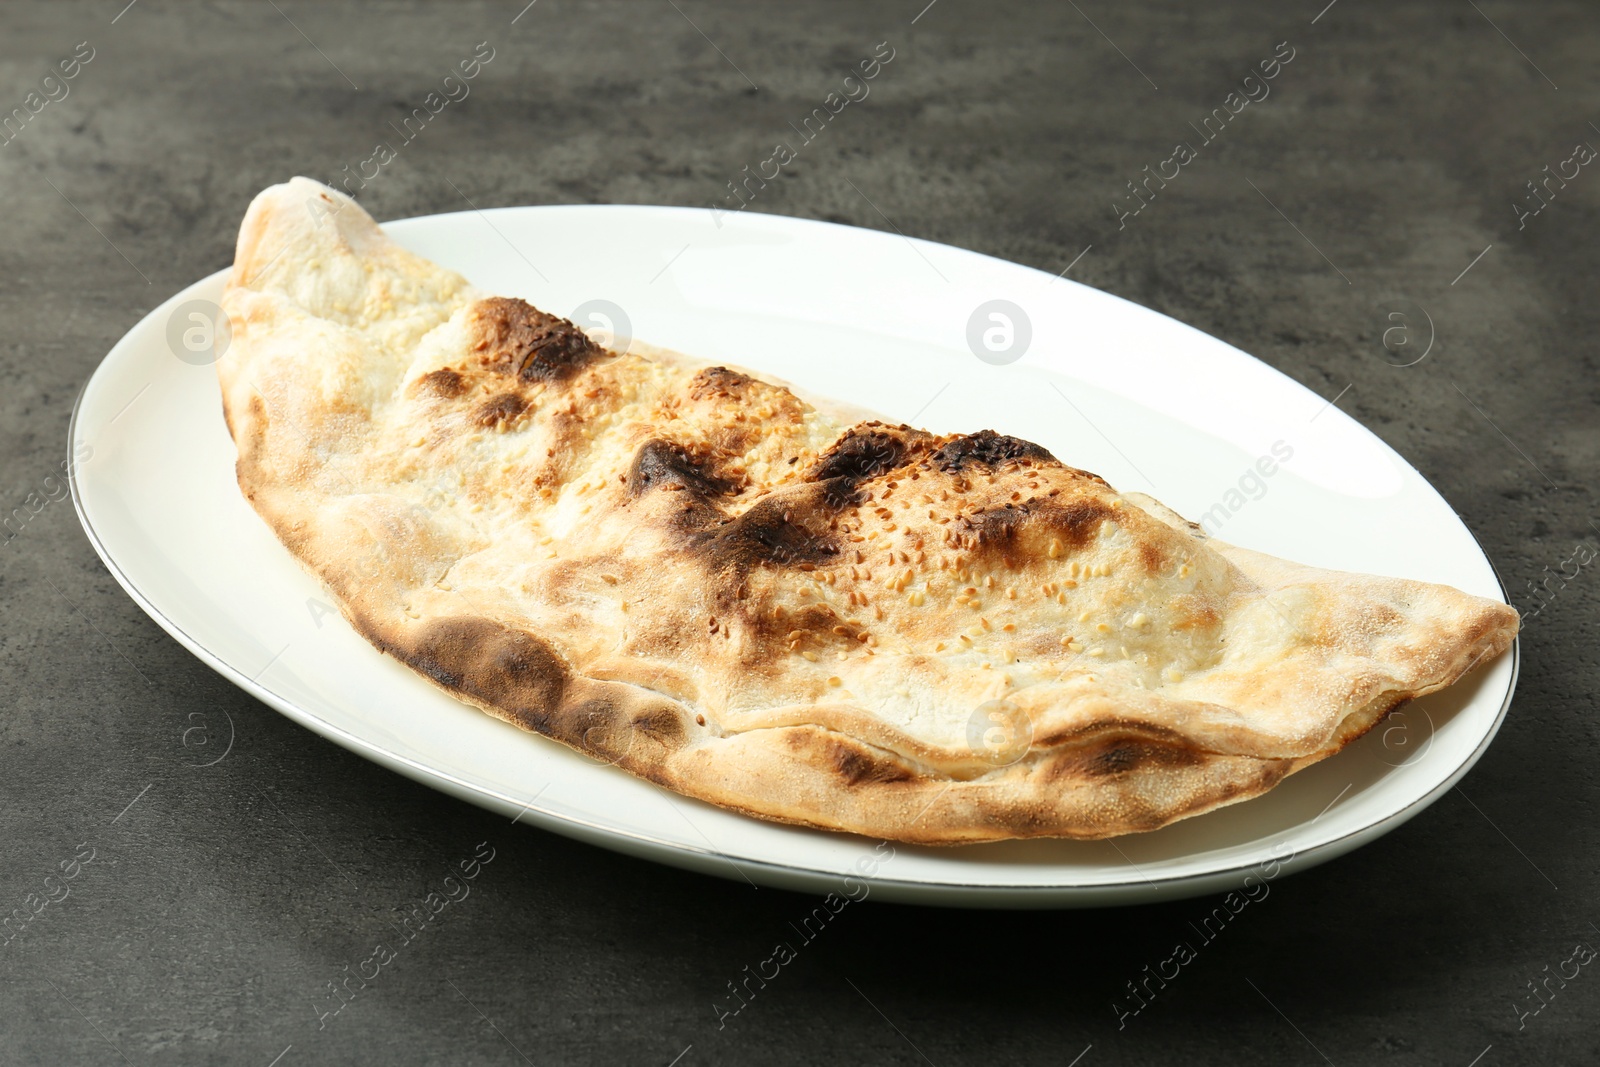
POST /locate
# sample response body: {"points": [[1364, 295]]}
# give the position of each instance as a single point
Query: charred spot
{"points": [[989, 449], [517, 338], [718, 382], [598, 727], [661, 463], [1075, 523], [1078, 522], [857, 764], [500, 411], [809, 626], [767, 534], [481, 658], [660, 723], [1128, 753], [861, 454], [444, 383], [995, 526], [1117, 760]]}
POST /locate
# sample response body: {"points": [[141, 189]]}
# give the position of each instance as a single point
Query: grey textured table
{"points": [[218, 907]]}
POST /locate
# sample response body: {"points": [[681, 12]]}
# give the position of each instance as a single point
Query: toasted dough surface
{"points": [[699, 576]]}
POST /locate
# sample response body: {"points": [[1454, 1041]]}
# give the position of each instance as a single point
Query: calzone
{"points": [[768, 603]]}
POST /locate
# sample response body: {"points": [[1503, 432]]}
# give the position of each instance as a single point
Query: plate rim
{"points": [[1142, 890]]}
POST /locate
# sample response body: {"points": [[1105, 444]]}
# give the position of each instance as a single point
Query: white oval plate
{"points": [[867, 317]]}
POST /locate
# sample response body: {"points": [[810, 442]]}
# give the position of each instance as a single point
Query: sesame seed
{"points": [[834, 680]]}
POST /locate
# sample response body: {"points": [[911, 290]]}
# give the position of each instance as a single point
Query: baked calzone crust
{"points": [[762, 602]]}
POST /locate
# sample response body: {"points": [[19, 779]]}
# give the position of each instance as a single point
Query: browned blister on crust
{"points": [[701, 577]]}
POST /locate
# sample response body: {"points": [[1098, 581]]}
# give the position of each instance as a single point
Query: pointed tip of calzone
{"points": [[295, 217]]}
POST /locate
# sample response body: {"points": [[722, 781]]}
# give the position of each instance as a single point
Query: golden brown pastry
{"points": [[759, 602]]}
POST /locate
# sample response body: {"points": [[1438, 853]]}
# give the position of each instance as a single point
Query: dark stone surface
{"points": [[216, 909]]}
